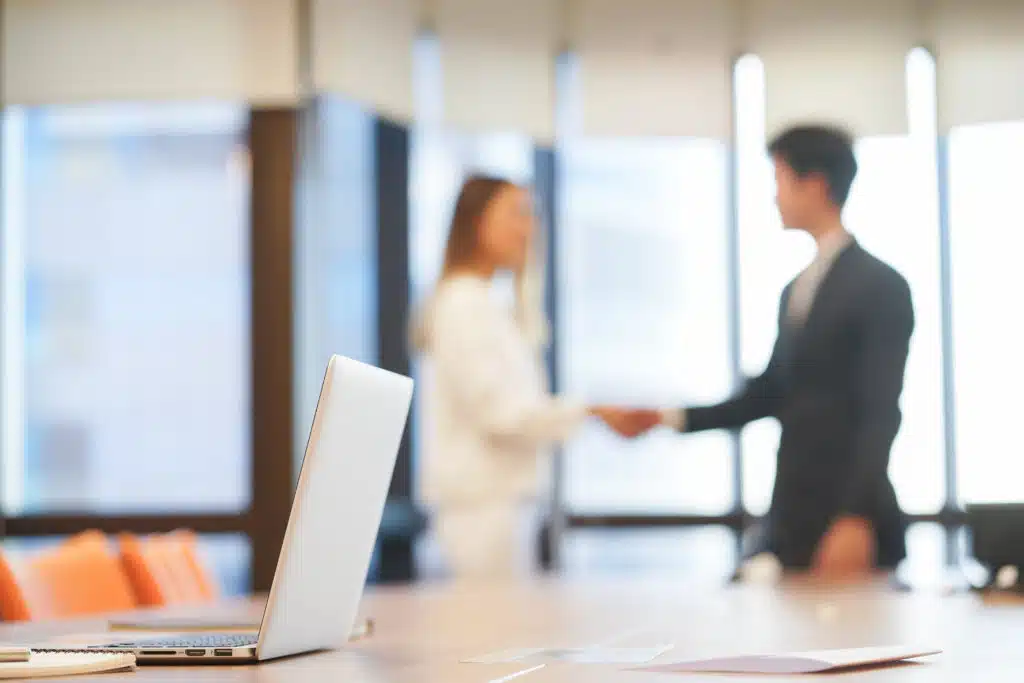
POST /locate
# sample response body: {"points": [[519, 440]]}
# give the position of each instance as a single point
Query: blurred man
{"points": [[834, 379]]}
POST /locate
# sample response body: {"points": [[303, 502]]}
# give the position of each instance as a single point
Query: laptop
{"points": [[324, 559]]}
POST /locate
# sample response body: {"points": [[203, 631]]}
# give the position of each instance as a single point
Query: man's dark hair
{"points": [[820, 149]]}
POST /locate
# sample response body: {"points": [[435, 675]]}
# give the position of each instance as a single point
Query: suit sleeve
{"points": [[886, 328], [760, 397]]}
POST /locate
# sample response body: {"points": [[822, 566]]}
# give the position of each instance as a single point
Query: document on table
{"points": [[594, 654], [818, 661]]}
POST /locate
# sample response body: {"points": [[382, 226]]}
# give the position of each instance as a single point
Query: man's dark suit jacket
{"points": [[834, 384]]}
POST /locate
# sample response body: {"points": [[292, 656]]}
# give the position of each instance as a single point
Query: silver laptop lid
{"points": [[336, 511]]}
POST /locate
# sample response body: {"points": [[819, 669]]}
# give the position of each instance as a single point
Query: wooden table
{"points": [[423, 632]]}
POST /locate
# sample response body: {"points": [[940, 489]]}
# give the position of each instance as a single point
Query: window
{"points": [[985, 214], [893, 212], [336, 290], [125, 311], [694, 555], [644, 316]]}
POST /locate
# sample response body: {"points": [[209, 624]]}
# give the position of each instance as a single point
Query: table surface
{"points": [[423, 632]]}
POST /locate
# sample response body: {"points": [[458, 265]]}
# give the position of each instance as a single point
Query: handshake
{"points": [[628, 422]]}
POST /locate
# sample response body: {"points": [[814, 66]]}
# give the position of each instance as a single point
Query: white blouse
{"points": [[489, 413]]}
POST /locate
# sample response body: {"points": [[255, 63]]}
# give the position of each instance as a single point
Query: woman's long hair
{"points": [[461, 251]]}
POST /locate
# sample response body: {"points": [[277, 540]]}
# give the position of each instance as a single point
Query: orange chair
{"points": [[166, 569], [79, 577]]}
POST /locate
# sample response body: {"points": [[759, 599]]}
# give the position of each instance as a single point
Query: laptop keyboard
{"points": [[212, 640]]}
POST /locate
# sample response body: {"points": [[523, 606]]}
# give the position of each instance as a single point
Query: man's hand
{"points": [[847, 550], [628, 422]]}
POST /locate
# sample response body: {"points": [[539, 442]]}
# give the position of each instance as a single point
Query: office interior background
{"points": [[203, 199]]}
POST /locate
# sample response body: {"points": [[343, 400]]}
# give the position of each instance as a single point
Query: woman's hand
{"points": [[627, 422]]}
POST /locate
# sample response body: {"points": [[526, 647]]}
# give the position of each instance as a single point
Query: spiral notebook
{"points": [[49, 664]]}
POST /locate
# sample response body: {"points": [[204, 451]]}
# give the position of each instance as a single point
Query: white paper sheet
{"points": [[504, 656], [799, 662], [595, 654]]}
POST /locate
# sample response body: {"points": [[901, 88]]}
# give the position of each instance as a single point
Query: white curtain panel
{"points": [[67, 51], [655, 67], [979, 50], [363, 49], [498, 64], [835, 61]]}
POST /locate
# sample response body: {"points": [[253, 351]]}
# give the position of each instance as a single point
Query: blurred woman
{"points": [[490, 413]]}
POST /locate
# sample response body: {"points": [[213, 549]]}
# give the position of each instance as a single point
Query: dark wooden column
{"points": [[273, 140]]}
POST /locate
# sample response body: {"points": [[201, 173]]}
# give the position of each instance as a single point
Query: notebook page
{"points": [[48, 664]]}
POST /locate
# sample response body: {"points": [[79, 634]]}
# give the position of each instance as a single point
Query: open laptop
{"points": [[325, 556]]}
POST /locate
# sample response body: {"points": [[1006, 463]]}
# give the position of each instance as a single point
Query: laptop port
{"points": [[195, 653], [222, 652], [157, 653]]}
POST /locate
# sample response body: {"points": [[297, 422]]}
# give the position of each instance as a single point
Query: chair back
{"points": [[79, 577], [166, 569]]}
